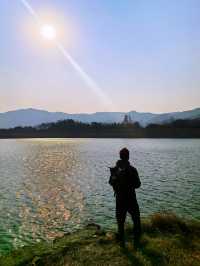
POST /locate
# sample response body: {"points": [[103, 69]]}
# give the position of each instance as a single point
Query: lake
{"points": [[52, 186]]}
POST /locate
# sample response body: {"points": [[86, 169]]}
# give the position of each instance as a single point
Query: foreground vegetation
{"points": [[166, 240]]}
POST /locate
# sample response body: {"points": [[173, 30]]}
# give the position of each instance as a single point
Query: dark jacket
{"points": [[126, 179]]}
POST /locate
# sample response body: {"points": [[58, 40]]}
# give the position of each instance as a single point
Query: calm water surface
{"points": [[52, 186]]}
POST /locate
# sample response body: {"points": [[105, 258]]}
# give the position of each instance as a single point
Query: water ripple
{"points": [[49, 187]]}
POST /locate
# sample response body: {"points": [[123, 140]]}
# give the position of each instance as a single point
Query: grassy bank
{"points": [[166, 240]]}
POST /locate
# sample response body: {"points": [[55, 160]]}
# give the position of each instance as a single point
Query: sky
{"points": [[140, 55]]}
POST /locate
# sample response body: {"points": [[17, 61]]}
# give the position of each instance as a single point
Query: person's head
{"points": [[124, 154]]}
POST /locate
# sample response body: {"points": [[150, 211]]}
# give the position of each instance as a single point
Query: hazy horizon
{"points": [[131, 55], [58, 111]]}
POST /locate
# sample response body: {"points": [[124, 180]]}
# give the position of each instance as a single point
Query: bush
{"points": [[169, 223]]}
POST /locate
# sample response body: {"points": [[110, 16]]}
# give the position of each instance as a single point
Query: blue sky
{"points": [[144, 55]]}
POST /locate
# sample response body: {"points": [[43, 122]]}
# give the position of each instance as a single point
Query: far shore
{"points": [[92, 137], [73, 129]]}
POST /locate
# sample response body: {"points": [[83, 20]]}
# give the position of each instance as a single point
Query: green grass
{"points": [[166, 240]]}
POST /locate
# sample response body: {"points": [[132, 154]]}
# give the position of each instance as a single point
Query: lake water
{"points": [[52, 186]]}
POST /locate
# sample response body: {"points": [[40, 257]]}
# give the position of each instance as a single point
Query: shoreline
{"points": [[96, 137], [166, 240]]}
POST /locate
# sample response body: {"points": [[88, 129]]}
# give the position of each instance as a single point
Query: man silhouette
{"points": [[124, 180]]}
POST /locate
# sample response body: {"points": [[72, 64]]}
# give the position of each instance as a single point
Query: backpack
{"points": [[119, 179], [124, 180]]}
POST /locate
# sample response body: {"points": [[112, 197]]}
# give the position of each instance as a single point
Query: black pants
{"points": [[127, 204]]}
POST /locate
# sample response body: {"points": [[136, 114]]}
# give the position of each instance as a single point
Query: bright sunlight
{"points": [[48, 32]]}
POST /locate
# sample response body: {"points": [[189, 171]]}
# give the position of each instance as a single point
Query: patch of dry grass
{"points": [[166, 240]]}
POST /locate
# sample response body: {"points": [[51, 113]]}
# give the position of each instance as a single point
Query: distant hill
{"points": [[34, 117]]}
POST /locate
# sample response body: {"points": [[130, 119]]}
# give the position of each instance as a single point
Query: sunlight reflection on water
{"points": [[52, 186]]}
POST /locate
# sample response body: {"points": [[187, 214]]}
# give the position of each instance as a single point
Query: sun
{"points": [[48, 32]]}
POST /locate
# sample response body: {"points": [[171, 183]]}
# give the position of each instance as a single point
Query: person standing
{"points": [[125, 179]]}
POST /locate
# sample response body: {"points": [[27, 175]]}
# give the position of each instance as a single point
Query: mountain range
{"points": [[34, 117]]}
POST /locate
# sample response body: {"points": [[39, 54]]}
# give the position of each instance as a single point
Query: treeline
{"points": [[74, 129]]}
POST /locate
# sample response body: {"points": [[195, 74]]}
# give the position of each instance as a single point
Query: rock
{"points": [[95, 226]]}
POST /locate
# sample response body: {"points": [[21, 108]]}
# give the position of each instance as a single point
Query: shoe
{"points": [[136, 241], [120, 239]]}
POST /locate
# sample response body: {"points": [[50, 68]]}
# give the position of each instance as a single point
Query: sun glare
{"points": [[48, 32]]}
